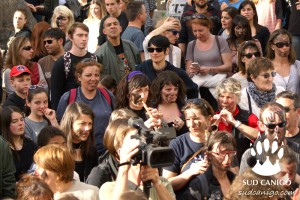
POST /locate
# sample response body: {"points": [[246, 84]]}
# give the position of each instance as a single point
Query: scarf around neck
{"points": [[261, 97]]}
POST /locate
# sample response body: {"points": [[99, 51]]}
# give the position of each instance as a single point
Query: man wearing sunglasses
{"points": [[54, 40], [291, 104], [158, 47], [273, 122], [117, 56]]}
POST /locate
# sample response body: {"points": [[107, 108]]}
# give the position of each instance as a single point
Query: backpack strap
{"points": [[72, 97], [106, 95], [67, 62], [218, 44]]}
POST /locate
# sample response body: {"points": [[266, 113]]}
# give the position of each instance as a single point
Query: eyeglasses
{"points": [[158, 49], [175, 32], [48, 42], [27, 48], [281, 44], [250, 55], [267, 75], [273, 126], [32, 87], [195, 16], [223, 154]]}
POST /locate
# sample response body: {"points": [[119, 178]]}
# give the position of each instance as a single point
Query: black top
{"points": [[263, 35], [14, 100], [23, 158], [295, 138], [294, 22], [123, 22], [147, 68], [59, 83]]}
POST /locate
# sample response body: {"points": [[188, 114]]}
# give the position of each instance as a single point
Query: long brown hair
{"points": [[37, 39]]}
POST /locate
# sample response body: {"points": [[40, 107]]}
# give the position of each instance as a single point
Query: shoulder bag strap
{"points": [[249, 101], [194, 44], [193, 156]]}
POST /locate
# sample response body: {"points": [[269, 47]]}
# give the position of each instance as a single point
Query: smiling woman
{"points": [[99, 100]]}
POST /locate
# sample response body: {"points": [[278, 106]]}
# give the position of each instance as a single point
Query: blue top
{"points": [[236, 4], [101, 108]]}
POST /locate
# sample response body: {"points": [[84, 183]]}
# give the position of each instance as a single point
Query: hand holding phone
{"points": [[195, 64]]}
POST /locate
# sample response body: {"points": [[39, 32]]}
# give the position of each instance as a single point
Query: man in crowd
{"points": [[63, 72], [201, 7], [113, 9], [291, 104], [273, 122], [158, 47], [136, 14], [117, 56], [54, 40]]}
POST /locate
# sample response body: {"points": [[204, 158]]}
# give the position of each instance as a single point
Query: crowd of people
{"points": [[100, 103]]}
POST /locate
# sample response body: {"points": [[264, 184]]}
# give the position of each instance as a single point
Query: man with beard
{"points": [[231, 118], [291, 104], [158, 48], [63, 72], [200, 7], [273, 122], [216, 180], [54, 40], [117, 56]]}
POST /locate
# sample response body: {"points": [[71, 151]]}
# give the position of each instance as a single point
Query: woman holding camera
{"points": [[130, 176], [189, 148]]}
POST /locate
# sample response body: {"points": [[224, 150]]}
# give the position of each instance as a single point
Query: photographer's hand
{"points": [[198, 167], [151, 174]]}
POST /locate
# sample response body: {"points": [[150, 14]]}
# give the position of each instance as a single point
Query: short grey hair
{"points": [[230, 85]]}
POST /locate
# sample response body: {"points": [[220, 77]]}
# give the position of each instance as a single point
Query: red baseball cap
{"points": [[18, 70]]}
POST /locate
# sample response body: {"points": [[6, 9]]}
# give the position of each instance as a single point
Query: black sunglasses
{"points": [[48, 42], [250, 55], [158, 49], [273, 126], [281, 44], [267, 75], [175, 32], [27, 48]]}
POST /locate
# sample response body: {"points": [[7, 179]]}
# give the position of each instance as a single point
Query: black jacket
{"points": [[147, 68], [15, 100]]}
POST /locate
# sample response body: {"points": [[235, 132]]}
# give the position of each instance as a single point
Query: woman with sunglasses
{"points": [[281, 53], [227, 17], [247, 52], [262, 33], [260, 89], [101, 101], [208, 58], [240, 32], [168, 27], [20, 53], [189, 148], [13, 130]]}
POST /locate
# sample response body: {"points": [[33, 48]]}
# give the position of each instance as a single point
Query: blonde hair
{"points": [[56, 159], [62, 11], [230, 85]]}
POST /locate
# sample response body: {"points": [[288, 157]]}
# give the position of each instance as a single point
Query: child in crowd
{"points": [[13, 130], [40, 116], [51, 135], [20, 80]]}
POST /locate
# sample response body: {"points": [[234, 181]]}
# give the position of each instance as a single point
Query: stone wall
{"points": [[7, 9]]}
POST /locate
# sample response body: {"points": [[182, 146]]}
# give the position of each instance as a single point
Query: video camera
{"points": [[153, 148]]}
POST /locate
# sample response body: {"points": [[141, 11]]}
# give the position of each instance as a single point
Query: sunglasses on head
{"points": [[281, 44], [158, 49], [250, 55], [175, 32], [267, 75], [27, 48], [48, 42], [195, 16], [273, 126]]}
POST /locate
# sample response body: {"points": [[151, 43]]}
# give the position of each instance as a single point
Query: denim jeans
{"points": [[296, 45]]}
